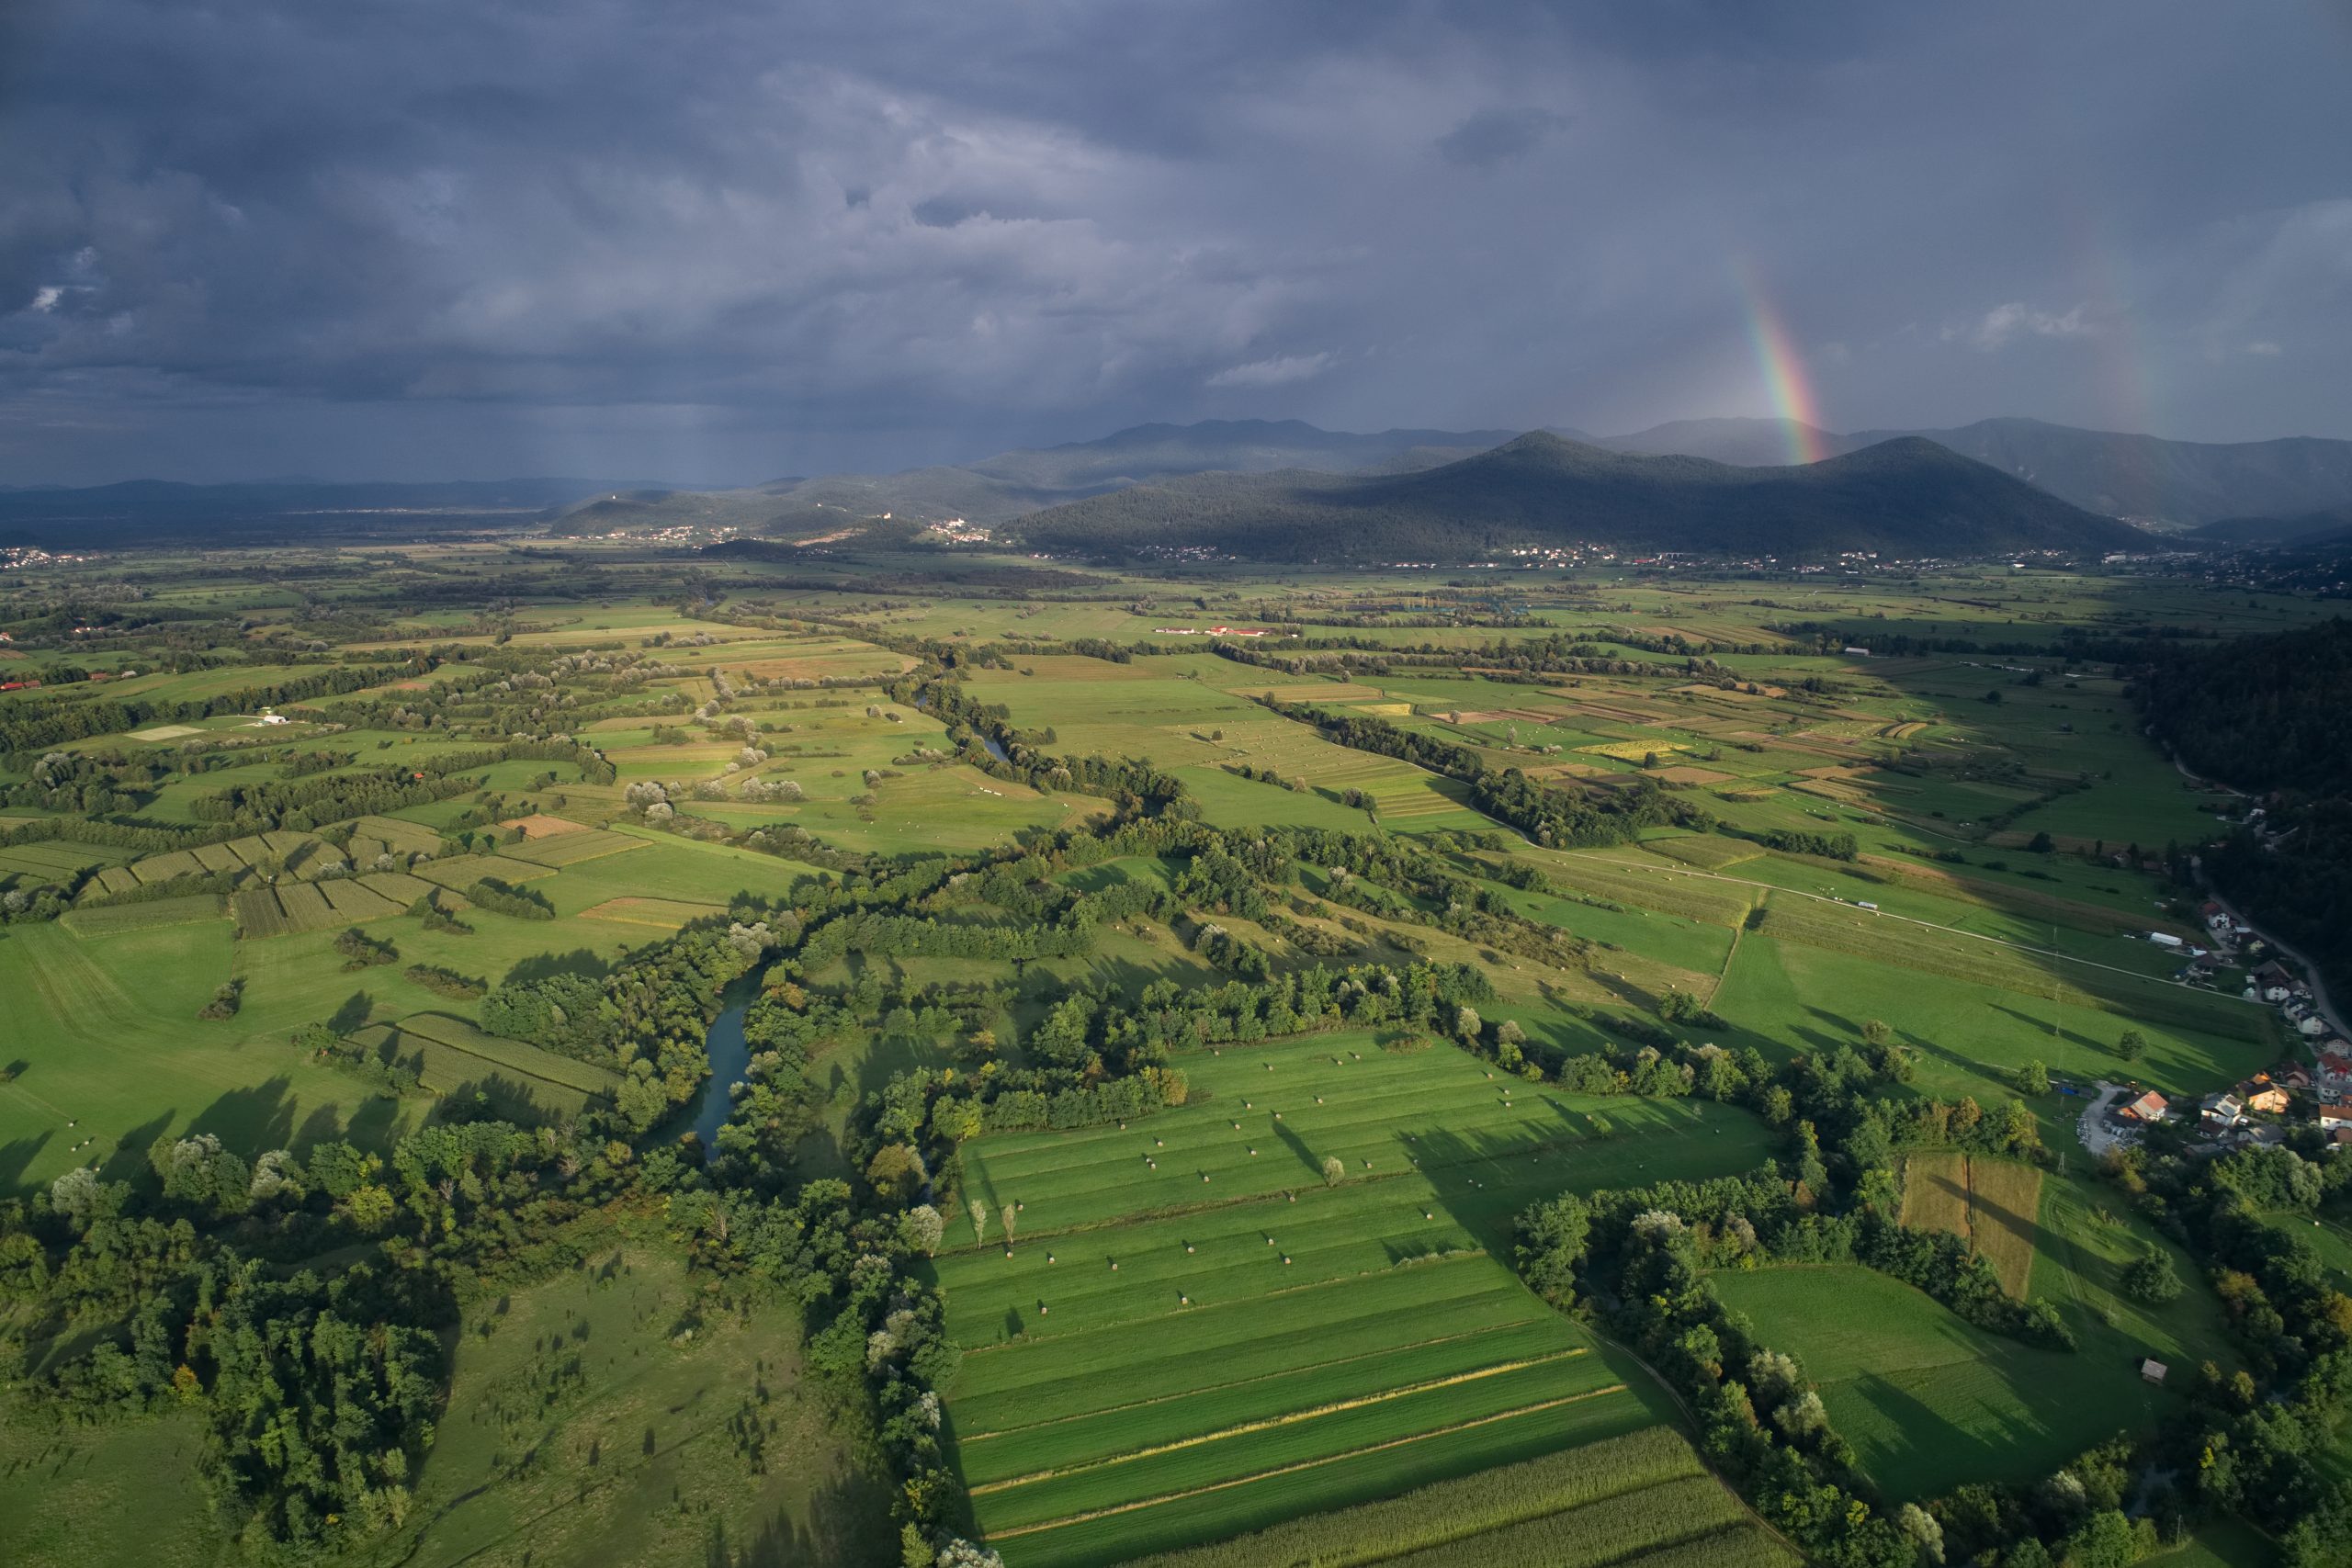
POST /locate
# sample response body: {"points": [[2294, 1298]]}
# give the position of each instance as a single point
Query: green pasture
{"points": [[114, 1055], [1969, 1036], [126, 1492], [662, 1424], [1928, 1400]]}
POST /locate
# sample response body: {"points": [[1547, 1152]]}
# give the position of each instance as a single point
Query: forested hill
{"points": [[2182, 483], [1905, 497], [2267, 714], [2264, 713], [2330, 525]]}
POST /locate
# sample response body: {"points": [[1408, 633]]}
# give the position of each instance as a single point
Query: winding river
{"points": [[731, 1057]]}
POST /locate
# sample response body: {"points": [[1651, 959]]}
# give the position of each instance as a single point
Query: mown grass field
{"points": [[615, 1413], [1931, 1401], [1161, 1358]]}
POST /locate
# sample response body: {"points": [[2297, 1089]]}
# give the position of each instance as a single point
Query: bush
{"points": [[361, 951], [514, 903], [2151, 1277], [446, 982]]}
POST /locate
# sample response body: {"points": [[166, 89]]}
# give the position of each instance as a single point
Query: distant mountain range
{"points": [[2231, 495], [148, 509], [1013, 483], [1906, 497], [2171, 484]]}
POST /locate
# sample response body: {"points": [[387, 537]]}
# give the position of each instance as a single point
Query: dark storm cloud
{"points": [[1497, 135], [731, 239]]}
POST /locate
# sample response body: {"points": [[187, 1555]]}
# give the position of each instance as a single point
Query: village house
{"points": [[2149, 1106], [2259, 1093], [2223, 1111]]}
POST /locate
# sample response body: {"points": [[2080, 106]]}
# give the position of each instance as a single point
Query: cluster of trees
{"points": [[647, 1019], [514, 903], [986, 734], [2255, 1442], [446, 982], [1761, 1423], [1557, 817], [1790, 841], [317, 1393], [93, 783], [2250, 1442], [30, 725], [269, 804], [361, 951]]}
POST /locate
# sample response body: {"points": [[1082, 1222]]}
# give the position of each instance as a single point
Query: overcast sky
{"points": [[724, 239]]}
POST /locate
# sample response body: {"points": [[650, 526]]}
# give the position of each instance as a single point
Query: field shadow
{"points": [[1916, 1437], [249, 1120], [1307, 1158], [2067, 1036], [17, 1157], [352, 1014], [1484, 1181], [841, 1531], [1847, 1027], [580, 960], [129, 1160], [494, 1096]]}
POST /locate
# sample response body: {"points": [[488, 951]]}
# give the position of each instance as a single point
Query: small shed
{"points": [[2154, 1371]]}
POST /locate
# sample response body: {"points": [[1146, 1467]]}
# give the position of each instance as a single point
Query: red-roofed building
{"points": [[2149, 1106]]}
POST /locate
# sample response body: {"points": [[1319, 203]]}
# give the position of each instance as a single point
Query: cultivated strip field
{"points": [[108, 919], [1641, 1500], [1160, 1358]]}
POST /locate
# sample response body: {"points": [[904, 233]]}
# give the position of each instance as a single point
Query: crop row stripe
{"points": [[1307, 1464], [1270, 1422], [1419, 1260], [1182, 1210], [968, 1441]]}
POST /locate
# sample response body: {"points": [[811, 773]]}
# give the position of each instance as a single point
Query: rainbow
{"points": [[1783, 368]]}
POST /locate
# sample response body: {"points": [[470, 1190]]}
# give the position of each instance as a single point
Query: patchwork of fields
{"points": [[1185, 1341]]}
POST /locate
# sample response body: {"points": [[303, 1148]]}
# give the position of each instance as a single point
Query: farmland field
{"points": [[1254, 1049], [1315, 1302], [1992, 1204]]}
